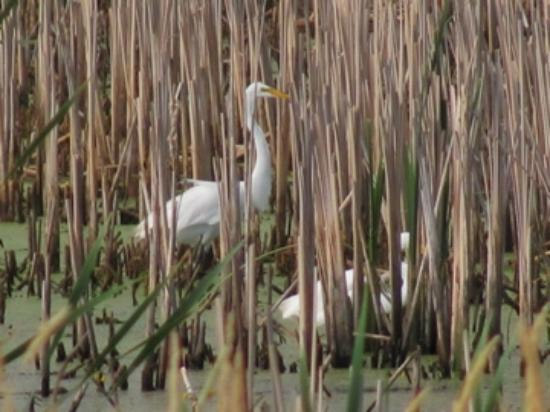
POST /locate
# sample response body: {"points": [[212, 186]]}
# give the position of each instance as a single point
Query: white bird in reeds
{"points": [[290, 307], [198, 208]]}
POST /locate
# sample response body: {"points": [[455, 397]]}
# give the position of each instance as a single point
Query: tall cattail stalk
{"points": [[496, 187], [305, 259], [67, 41], [523, 153], [47, 93], [160, 27], [93, 116], [8, 93], [288, 76]]}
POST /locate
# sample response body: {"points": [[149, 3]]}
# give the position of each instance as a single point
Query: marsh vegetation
{"points": [[426, 117]]}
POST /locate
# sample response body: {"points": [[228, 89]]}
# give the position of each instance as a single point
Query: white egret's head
{"points": [[254, 90], [260, 89]]}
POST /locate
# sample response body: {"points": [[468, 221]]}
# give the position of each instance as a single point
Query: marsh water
{"points": [[23, 380]]}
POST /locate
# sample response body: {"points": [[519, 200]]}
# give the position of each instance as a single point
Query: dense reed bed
{"points": [[429, 117]]}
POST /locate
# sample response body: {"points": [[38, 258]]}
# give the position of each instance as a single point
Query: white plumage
{"points": [[198, 208], [290, 307]]}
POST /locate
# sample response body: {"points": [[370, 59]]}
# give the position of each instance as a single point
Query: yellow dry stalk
{"points": [[5, 391], [529, 337], [414, 405], [45, 332], [174, 399], [232, 383], [473, 377]]}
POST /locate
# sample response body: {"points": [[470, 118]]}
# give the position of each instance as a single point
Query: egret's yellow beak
{"points": [[276, 92]]}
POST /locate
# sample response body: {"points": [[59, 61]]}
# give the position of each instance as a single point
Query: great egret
{"points": [[290, 307], [198, 208]]}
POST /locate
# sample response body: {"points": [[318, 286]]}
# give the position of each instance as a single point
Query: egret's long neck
{"points": [[261, 175], [263, 155]]}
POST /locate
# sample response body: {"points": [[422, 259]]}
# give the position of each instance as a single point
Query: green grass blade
{"points": [[304, 383], [55, 120], [493, 396], [87, 270], [5, 12], [355, 394], [190, 303], [78, 292], [78, 311], [123, 330]]}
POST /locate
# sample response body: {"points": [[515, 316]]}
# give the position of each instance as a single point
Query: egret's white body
{"points": [[290, 307], [197, 210]]}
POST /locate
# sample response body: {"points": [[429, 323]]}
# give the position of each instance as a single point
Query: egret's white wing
{"points": [[290, 307], [199, 182], [197, 213]]}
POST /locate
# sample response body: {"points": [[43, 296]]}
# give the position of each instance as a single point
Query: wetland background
{"points": [[423, 116]]}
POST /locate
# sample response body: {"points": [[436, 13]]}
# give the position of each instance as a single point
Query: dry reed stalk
{"points": [[150, 187], [354, 27], [237, 302], [434, 259], [4, 287], [142, 97], [496, 188], [288, 76], [52, 237], [45, 331], [337, 96], [7, 398], [169, 250], [305, 258], [200, 67], [46, 92], [414, 405], [419, 275], [465, 112], [230, 226], [8, 93], [513, 93], [127, 43], [278, 398], [155, 31], [431, 166], [48, 106], [255, 26], [68, 30], [391, 156], [472, 378], [84, 325], [94, 122], [391, 132], [379, 406], [119, 48], [513, 45], [160, 29], [174, 396], [533, 399], [231, 382]]}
